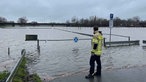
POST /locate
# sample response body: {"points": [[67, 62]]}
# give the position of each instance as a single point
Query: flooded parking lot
{"points": [[62, 58]]}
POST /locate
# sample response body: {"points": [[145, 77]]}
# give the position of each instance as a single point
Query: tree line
{"points": [[94, 20], [83, 22]]}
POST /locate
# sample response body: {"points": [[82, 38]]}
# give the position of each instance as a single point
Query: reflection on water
{"points": [[96, 79], [75, 51], [32, 59]]}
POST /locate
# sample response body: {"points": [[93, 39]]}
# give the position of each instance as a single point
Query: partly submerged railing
{"points": [[119, 43], [144, 41], [15, 68], [112, 43]]}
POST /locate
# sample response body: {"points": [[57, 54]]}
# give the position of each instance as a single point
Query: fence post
{"points": [[38, 46], [104, 42], [8, 51], [129, 40]]}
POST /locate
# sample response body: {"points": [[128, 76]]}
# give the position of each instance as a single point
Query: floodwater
{"points": [[63, 58]]}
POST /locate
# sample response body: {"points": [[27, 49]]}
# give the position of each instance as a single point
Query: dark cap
{"points": [[95, 28]]}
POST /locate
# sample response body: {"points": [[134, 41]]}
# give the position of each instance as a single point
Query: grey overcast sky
{"points": [[62, 10]]}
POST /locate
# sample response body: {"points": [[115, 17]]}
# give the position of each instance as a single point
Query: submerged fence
{"points": [[120, 43], [144, 41], [111, 43]]}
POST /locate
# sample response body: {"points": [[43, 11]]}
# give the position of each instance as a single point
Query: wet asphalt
{"points": [[137, 74]]}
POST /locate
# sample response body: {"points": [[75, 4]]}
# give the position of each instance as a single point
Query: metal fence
{"points": [[15, 68]]}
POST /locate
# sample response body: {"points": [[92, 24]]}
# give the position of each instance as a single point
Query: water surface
{"points": [[61, 58]]}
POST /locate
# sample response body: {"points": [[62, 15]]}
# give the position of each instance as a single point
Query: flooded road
{"points": [[63, 58]]}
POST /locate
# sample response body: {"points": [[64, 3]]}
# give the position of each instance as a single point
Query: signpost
{"points": [[30, 37], [111, 24]]}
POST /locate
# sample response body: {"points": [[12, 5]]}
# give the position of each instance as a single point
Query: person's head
{"points": [[95, 28]]}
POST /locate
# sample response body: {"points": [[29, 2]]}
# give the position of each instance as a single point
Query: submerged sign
{"points": [[31, 37], [76, 39]]}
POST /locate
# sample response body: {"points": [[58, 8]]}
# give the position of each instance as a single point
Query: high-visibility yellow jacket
{"points": [[97, 43]]}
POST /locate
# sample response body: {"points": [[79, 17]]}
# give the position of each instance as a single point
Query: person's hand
{"points": [[92, 53]]}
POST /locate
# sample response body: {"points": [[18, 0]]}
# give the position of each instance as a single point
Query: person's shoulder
{"points": [[96, 35]]}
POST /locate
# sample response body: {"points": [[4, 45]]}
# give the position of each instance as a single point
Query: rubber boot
{"points": [[89, 76]]}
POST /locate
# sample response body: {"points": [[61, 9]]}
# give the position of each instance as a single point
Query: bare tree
{"points": [[3, 20], [22, 20], [74, 19]]}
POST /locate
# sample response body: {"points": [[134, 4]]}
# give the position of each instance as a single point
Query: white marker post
{"points": [[111, 24]]}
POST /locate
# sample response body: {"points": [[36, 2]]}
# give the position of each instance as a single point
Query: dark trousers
{"points": [[94, 58]]}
